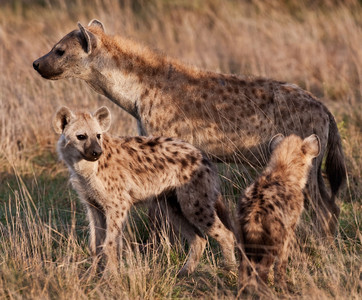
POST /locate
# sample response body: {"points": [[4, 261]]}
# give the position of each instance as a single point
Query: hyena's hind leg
{"points": [[330, 208], [324, 211], [202, 208], [280, 266], [171, 209], [222, 231]]}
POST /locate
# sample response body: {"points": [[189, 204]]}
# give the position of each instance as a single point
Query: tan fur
{"points": [[112, 174], [270, 209], [230, 117]]}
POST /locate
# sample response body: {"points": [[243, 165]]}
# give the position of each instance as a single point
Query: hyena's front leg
{"points": [[97, 227], [116, 216]]}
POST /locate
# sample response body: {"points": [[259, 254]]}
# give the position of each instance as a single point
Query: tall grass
{"points": [[43, 231]]}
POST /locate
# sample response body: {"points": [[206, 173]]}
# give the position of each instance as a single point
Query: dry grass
{"points": [[43, 251]]}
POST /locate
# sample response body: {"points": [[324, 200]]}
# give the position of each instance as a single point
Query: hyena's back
{"points": [[268, 208]]}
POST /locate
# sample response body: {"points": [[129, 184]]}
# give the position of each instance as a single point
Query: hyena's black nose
{"points": [[97, 154], [36, 65]]}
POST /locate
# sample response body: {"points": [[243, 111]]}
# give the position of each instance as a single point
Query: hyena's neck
{"points": [[86, 169], [126, 71], [123, 90]]}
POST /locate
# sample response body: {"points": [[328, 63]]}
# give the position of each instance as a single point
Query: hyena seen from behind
{"points": [[112, 174], [271, 207], [229, 117]]}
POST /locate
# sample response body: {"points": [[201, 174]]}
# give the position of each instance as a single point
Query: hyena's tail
{"points": [[335, 166], [223, 213]]}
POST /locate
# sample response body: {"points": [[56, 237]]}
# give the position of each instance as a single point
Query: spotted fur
{"points": [[230, 117], [271, 207], [112, 174]]}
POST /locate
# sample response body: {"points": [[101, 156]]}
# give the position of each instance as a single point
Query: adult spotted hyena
{"points": [[270, 209], [230, 117], [112, 174]]}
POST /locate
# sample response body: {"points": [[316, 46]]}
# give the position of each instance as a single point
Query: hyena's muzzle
{"points": [[47, 66], [92, 150]]}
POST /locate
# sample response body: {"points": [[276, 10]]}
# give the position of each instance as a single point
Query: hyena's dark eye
{"points": [[98, 136], [81, 137], [59, 52]]}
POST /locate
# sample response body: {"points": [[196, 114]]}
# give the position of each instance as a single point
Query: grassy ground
{"points": [[43, 230]]}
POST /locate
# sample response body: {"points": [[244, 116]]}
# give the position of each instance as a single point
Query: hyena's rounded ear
{"points": [[103, 116], [312, 145], [89, 39], [62, 118], [275, 141], [96, 23]]}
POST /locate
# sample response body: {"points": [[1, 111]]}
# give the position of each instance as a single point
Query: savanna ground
{"points": [[43, 231]]}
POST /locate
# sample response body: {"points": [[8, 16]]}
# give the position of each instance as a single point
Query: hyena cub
{"points": [[111, 174], [270, 209]]}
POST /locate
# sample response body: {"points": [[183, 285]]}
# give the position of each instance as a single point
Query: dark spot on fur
{"points": [[192, 158], [151, 143], [271, 207], [130, 151], [170, 160], [205, 161], [184, 163]]}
